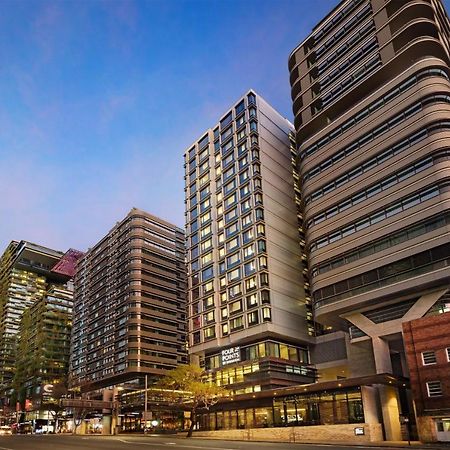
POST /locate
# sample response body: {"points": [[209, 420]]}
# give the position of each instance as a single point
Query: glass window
{"points": [[221, 253], [231, 230], [262, 262], [235, 306], [240, 121], [241, 134], [249, 251], [266, 314], [191, 152], [246, 220], [252, 112], [264, 279], [194, 239], [230, 215], [245, 190], [205, 231], [227, 160], [204, 193], [231, 200], [243, 162], [225, 331], [247, 236], [229, 187], [233, 260], [204, 179], [207, 258], [224, 313], [208, 302], [221, 238], [240, 107], [206, 245], [205, 204], [234, 291], [222, 268], [234, 275], [247, 205], [250, 284], [252, 318], [236, 323], [244, 176], [195, 265], [242, 148], [208, 317], [194, 252], [249, 268], [208, 287], [259, 214], [229, 173], [232, 244], [209, 332], [205, 217], [252, 300]]}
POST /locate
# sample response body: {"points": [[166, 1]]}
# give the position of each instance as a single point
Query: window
{"points": [[248, 236], [261, 246], [208, 302], [448, 354], [434, 388], [235, 307], [206, 231], [242, 148], [260, 230], [229, 187], [233, 260], [241, 134], [264, 279], [204, 179], [222, 281], [244, 176], [243, 162], [209, 333], [253, 126], [249, 251], [221, 253], [223, 297], [259, 214], [246, 220], [225, 331], [209, 317], [207, 258], [204, 193], [232, 244], [237, 323], [265, 297], [196, 337], [231, 215], [234, 275], [194, 252], [250, 284], [206, 245], [194, 239], [252, 112], [240, 107], [428, 357], [249, 268], [266, 314], [194, 265], [222, 268], [224, 313], [221, 238], [252, 318], [245, 190], [208, 287], [231, 230], [246, 205], [235, 291], [228, 173], [240, 121], [252, 300], [205, 205], [207, 274], [262, 262], [231, 200]]}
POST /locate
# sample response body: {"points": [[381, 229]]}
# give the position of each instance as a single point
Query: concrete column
{"points": [[106, 419], [369, 396], [106, 424], [390, 409], [381, 355]]}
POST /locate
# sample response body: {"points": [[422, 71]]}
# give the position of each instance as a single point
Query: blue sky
{"points": [[99, 100]]}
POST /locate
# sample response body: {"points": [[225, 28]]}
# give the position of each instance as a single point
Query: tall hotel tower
{"points": [[129, 305], [371, 98], [247, 312]]}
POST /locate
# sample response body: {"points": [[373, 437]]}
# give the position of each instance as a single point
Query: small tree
{"points": [[53, 404], [186, 386]]}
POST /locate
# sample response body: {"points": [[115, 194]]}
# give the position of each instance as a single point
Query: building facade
{"points": [[129, 307], [36, 312], [249, 322], [427, 342], [370, 90]]}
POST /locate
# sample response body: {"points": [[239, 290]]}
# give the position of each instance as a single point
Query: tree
{"points": [[53, 403], [186, 386]]}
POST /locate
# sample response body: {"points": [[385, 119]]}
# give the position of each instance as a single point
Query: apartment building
{"points": [[248, 300], [370, 90], [35, 317], [129, 306]]}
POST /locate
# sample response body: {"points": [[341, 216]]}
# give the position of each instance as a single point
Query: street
{"points": [[127, 442]]}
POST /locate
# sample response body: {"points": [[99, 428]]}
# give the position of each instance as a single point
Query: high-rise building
{"points": [[35, 312], [129, 305], [370, 90], [249, 323]]}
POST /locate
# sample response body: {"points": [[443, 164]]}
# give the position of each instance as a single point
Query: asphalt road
{"points": [[127, 442]]}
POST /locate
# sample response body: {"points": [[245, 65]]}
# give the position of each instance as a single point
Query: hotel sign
{"points": [[231, 355]]}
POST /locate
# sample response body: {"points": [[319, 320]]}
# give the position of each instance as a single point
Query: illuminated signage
{"points": [[231, 355]]}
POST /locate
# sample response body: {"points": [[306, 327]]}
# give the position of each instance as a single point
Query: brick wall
{"points": [[319, 433], [425, 334]]}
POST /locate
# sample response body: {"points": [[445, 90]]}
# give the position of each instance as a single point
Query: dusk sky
{"points": [[100, 99]]}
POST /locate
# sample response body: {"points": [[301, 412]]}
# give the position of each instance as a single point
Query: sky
{"points": [[100, 99]]}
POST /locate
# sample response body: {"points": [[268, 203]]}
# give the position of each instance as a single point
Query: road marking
{"points": [[5, 448]]}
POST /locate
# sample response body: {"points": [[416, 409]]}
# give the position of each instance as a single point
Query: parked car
{"points": [[4, 430]]}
